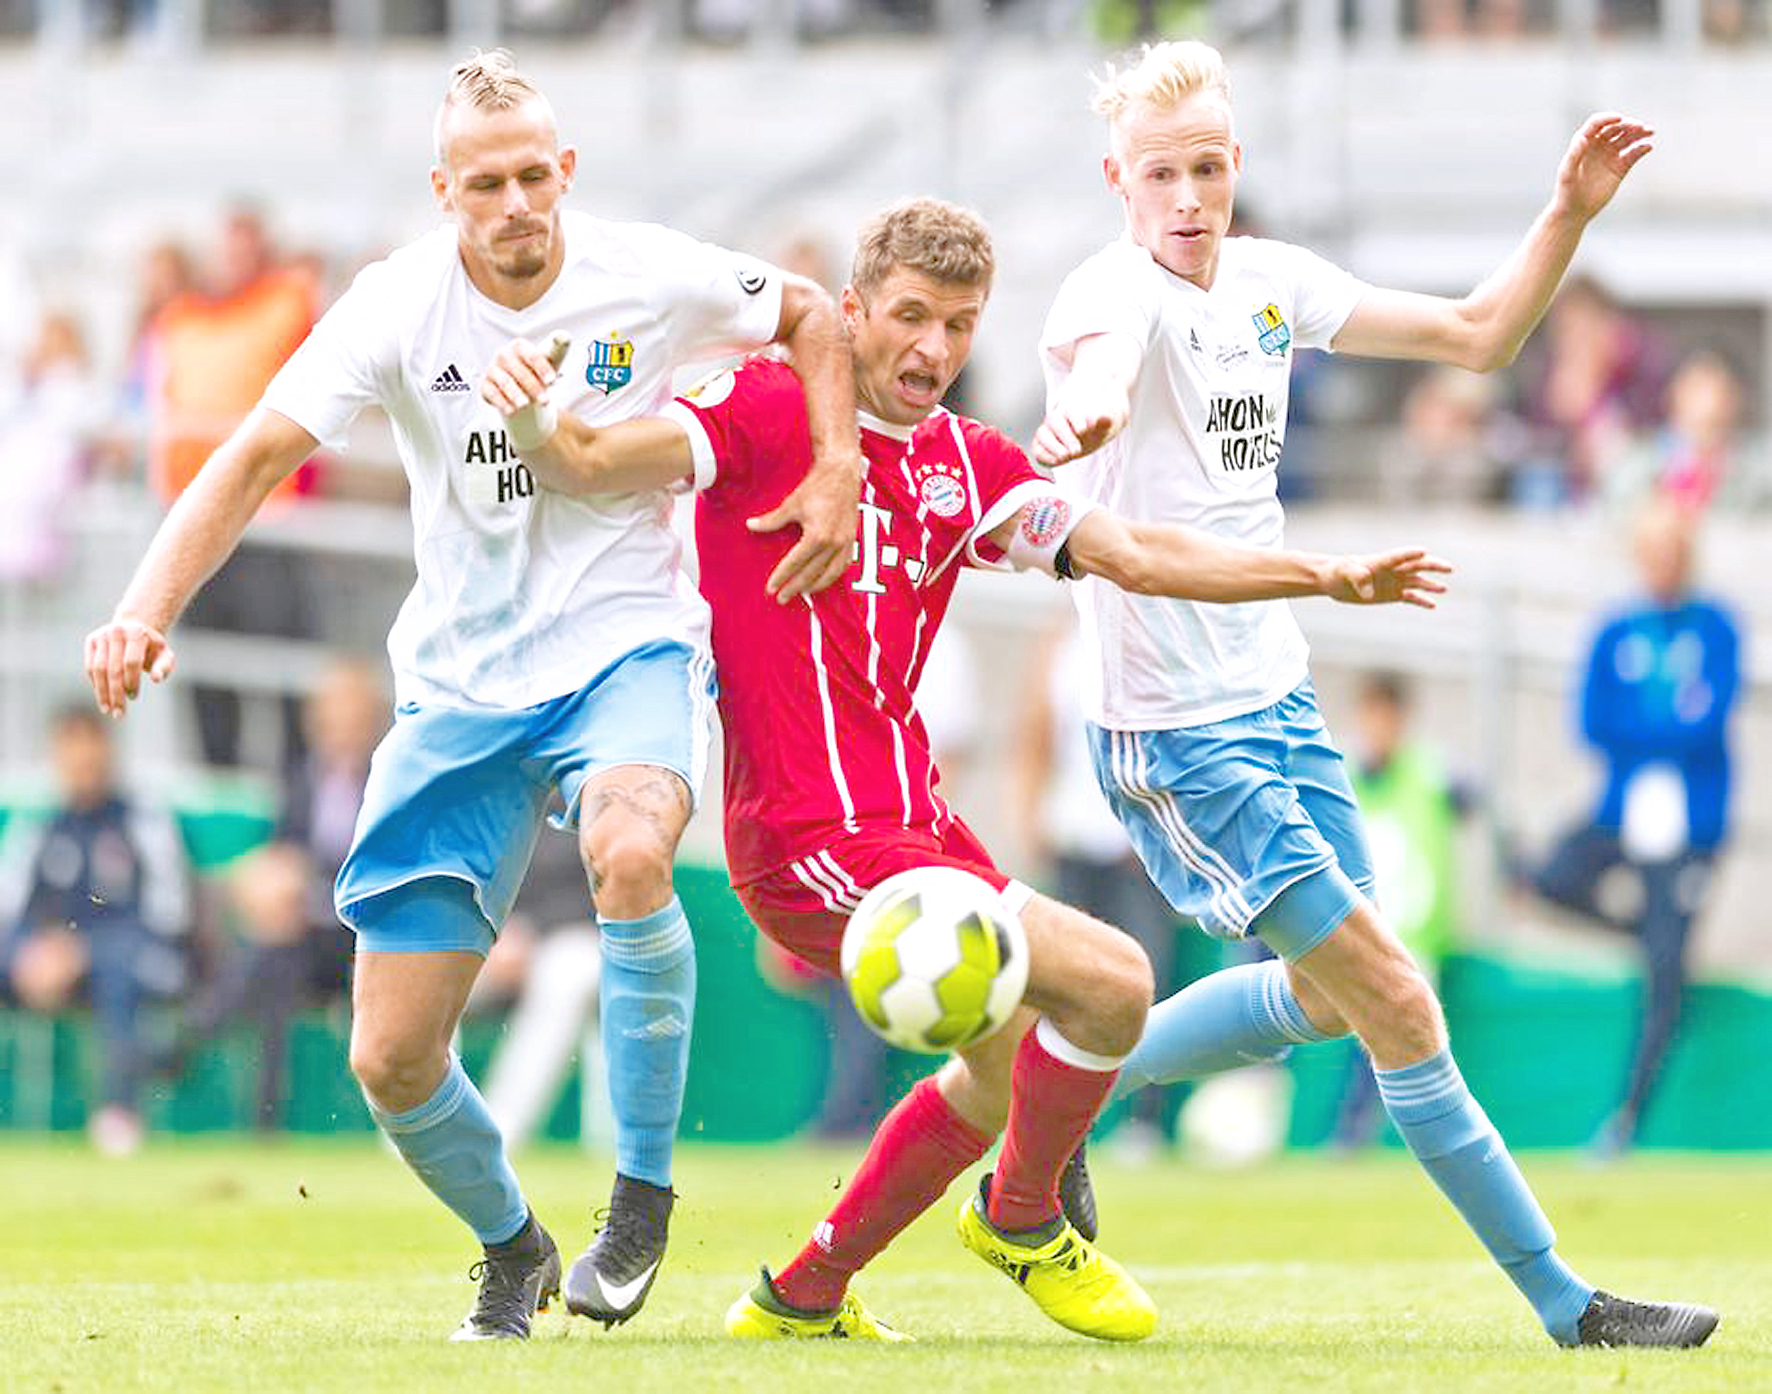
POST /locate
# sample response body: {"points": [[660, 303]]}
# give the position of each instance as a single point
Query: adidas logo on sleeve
{"points": [[450, 380]]}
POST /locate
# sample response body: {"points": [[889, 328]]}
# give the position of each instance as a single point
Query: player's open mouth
{"points": [[919, 386]]}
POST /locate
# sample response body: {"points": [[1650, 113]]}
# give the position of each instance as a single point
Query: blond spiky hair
{"points": [[486, 81], [1164, 75], [941, 240]]}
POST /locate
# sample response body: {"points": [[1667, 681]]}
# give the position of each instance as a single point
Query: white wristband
{"points": [[530, 427]]}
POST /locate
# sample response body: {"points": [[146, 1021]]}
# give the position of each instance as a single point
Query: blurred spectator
{"points": [[1597, 379], [1699, 454], [163, 276], [1069, 830], [1662, 677], [211, 354], [1442, 20], [95, 909], [1731, 22], [1126, 22], [1449, 447], [293, 951], [1410, 810], [50, 420]]}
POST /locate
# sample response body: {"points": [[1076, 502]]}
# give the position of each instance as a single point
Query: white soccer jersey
{"points": [[1208, 420], [525, 594]]}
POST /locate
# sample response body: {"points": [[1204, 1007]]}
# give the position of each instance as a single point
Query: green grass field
{"points": [[222, 1265]]}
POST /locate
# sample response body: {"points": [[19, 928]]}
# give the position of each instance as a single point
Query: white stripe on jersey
{"points": [[1131, 774], [817, 885], [850, 889], [834, 759], [904, 782]]}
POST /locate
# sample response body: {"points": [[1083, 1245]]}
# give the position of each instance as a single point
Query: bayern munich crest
{"points": [[1044, 520], [942, 495]]}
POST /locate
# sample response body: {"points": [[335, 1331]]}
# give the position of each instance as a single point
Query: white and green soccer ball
{"points": [[934, 960]]}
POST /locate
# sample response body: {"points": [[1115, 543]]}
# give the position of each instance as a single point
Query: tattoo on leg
{"points": [[658, 802]]}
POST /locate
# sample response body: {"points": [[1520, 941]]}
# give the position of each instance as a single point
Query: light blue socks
{"points": [[1454, 1140], [453, 1145], [647, 997], [1237, 1016]]}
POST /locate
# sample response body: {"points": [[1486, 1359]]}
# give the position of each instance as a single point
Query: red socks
{"points": [[917, 1151], [1051, 1106]]}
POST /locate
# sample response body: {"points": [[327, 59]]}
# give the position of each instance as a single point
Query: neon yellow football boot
{"points": [[1069, 1279], [762, 1316]]}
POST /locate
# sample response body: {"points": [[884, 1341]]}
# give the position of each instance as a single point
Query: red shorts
{"points": [[805, 905]]}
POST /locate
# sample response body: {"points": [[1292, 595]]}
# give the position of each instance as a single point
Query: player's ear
{"points": [[849, 303], [1237, 156], [440, 188], [1110, 171], [568, 165]]}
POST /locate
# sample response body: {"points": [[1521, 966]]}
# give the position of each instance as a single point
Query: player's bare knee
{"points": [[397, 1075], [1421, 1019], [630, 871], [1125, 986], [1410, 1026]]}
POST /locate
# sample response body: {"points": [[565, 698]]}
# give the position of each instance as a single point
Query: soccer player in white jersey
{"points": [[1167, 355], [550, 643]]}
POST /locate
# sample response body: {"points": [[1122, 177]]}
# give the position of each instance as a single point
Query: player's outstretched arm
{"points": [[197, 535], [566, 454], [1175, 560], [1485, 329], [1095, 401], [824, 503]]}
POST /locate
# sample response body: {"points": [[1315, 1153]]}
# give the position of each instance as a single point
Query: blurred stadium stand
{"points": [[1414, 160]]}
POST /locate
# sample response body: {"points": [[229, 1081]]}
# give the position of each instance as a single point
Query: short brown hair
{"points": [[941, 240], [486, 81]]}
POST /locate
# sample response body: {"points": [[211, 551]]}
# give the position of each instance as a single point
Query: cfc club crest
{"points": [[611, 363], [1271, 330]]}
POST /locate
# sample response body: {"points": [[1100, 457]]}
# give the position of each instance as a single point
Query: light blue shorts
{"points": [[461, 793], [1247, 825]]}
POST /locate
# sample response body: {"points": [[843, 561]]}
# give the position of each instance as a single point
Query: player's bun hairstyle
{"points": [[486, 81], [941, 240], [1162, 77]]}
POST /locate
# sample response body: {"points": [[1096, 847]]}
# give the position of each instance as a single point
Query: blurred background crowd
{"points": [[201, 179]]}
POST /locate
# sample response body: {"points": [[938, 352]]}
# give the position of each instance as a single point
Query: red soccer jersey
{"points": [[816, 697]]}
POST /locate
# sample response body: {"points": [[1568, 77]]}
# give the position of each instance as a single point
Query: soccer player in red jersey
{"points": [[830, 786]]}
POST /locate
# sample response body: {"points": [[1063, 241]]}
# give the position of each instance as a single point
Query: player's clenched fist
{"points": [[117, 654]]}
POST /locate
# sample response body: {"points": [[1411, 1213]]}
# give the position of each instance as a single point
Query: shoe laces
{"points": [[624, 1235], [502, 1279]]}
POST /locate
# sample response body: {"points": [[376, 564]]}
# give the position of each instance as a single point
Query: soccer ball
{"points": [[933, 959]]}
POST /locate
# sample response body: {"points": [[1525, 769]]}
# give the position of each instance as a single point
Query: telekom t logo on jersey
{"points": [[875, 553]]}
